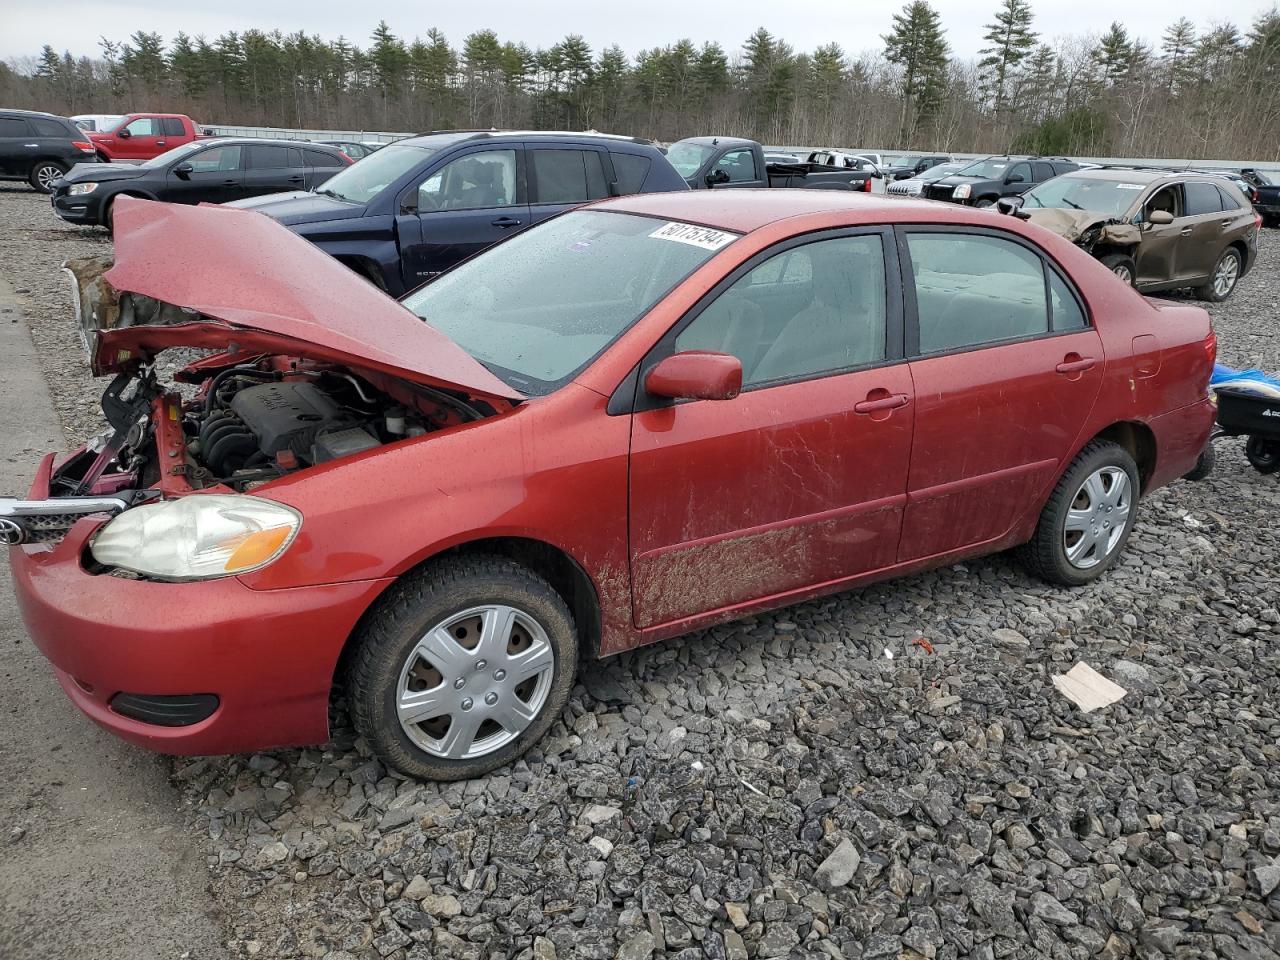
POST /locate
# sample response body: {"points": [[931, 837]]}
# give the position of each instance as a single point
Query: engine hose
{"points": [[251, 372], [209, 433], [227, 444]]}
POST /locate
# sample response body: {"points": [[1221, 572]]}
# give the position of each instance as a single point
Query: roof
{"points": [[1143, 175], [31, 113], [268, 141], [721, 141], [742, 211], [444, 138]]}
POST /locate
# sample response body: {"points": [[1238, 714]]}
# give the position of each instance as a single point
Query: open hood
{"points": [[1074, 224], [242, 282]]}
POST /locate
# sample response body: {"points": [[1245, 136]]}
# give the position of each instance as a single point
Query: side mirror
{"points": [[717, 176], [1011, 206], [184, 170], [695, 375], [1160, 218], [123, 133], [1014, 178]]}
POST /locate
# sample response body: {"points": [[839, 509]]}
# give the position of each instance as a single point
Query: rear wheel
{"points": [[1226, 272], [462, 667], [1264, 454], [1088, 518], [1122, 266], [44, 174]]}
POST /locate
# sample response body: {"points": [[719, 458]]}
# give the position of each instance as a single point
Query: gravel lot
{"points": [[812, 783]]}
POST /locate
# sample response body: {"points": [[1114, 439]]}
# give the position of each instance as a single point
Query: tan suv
{"points": [[1156, 229]]}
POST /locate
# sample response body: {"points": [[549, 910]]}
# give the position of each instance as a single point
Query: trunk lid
{"points": [[222, 278]]}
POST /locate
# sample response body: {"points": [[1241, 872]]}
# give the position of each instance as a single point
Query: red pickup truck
{"points": [[141, 136]]}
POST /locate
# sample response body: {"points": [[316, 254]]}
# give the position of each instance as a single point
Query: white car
{"points": [[97, 122]]}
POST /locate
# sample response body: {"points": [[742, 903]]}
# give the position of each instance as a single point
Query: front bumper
{"points": [[84, 210], [268, 655]]}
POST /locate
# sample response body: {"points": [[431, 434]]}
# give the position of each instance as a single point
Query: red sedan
{"points": [[638, 419]]}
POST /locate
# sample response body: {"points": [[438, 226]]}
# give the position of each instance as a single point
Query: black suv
{"points": [[203, 171], [39, 147], [420, 205], [912, 166], [984, 182]]}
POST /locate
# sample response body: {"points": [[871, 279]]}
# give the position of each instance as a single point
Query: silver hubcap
{"points": [[1225, 276], [1121, 271], [475, 682], [47, 175], [1097, 518]]}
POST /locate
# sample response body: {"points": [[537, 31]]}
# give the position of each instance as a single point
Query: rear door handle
{"points": [[1075, 366], [230, 183], [891, 402], [505, 222], [295, 179]]}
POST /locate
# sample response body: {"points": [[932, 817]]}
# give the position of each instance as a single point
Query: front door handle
{"points": [[159, 143], [1185, 232], [295, 179], [1077, 365], [505, 222], [230, 183], [891, 402]]}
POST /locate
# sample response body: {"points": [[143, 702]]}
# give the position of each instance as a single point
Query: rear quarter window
{"points": [[630, 171], [1231, 198], [318, 158]]}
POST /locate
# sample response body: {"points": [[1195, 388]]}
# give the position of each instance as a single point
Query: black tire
{"points": [[43, 173], [1208, 292], [1117, 262], [1204, 465], [1045, 555], [1263, 454], [420, 602], [984, 202]]}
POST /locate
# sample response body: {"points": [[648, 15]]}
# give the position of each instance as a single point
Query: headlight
{"points": [[76, 189], [962, 192], [197, 537]]}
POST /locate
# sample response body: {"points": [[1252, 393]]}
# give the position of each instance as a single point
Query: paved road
{"points": [[94, 859]]}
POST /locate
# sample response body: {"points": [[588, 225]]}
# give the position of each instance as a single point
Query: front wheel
{"points": [[1122, 266], [1222, 280], [1088, 517], [462, 667], [984, 202], [45, 174], [1263, 454]]}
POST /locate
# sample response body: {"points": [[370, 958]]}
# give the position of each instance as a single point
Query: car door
{"points": [[211, 175], [1200, 234], [1006, 370], [172, 133], [1160, 241], [17, 146], [737, 169], [458, 209], [801, 479], [143, 140], [1023, 170], [273, 168], [561, 177]]}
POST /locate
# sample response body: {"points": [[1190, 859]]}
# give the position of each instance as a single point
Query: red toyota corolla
{"points": [[640, 418]]}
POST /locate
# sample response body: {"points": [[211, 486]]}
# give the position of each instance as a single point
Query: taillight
{"points": [[866, 185], [1257, 220], [346, 158], [81, 145]]}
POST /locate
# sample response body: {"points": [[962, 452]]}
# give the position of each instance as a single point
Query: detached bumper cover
{"points": [[268, 656]]}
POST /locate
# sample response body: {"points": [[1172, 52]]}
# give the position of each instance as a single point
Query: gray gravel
{"points": [[812, 783]]}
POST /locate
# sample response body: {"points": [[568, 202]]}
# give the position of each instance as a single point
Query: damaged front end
{"points": [[1087, 229]]}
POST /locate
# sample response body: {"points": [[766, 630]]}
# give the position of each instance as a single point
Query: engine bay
{"points": [[248, 423]]}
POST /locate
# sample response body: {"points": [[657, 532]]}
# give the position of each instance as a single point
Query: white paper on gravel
{"points": [[1087, 688]]}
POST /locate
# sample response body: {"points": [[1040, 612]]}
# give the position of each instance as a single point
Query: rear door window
{"points": [[263, 157], [14, 127], [1202, 198], [172, 127], [1043, 171], [974, 289], [48, 128], [567, 176], [629, 171]]}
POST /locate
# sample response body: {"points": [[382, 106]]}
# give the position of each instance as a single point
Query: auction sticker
{"points": [[1128, 186], [695, 236]]}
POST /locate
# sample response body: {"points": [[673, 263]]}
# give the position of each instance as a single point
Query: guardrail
{"points": [[384, 136]]}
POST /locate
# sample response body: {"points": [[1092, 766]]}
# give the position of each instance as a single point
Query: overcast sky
{"points": [[26, 25]]}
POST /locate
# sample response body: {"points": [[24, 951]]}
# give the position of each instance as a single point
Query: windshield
{"points": [[990, 169], [1110, 197], [538, 308], [169, 156], [940, 171], [688, 157], [365, 179], [907, 161]]}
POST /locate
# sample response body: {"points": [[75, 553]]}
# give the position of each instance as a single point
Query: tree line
{"points": [[1195, 94]]}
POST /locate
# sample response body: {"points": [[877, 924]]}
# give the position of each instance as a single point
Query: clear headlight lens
{"points": [[962, 192], [78, 189], [197, 537]]}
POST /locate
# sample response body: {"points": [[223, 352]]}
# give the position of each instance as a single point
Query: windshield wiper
{"points": [[325, 192]]}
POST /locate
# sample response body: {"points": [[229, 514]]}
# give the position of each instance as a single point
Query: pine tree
{"points": [[917, 46], [1011, 41], [1176, 48], [1114, 55]]}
